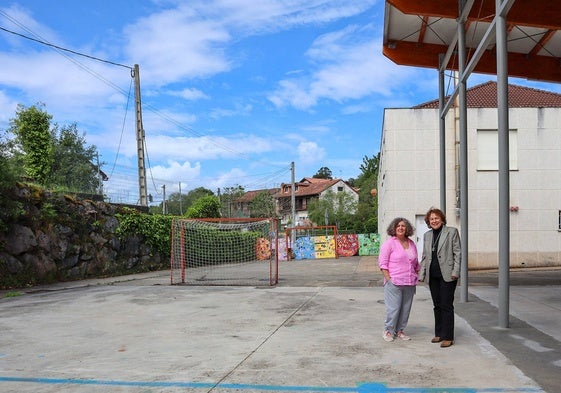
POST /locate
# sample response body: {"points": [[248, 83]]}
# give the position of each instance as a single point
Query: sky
{"points": [[232, 91]]}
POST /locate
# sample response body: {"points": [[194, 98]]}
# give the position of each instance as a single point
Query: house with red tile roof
{"points": [[306, 190], [409, 172]]}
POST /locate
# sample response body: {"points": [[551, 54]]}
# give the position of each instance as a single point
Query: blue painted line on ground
{"points": [[370, 387]]}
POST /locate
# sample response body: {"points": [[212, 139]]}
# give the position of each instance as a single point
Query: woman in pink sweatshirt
{"points": [[399, 262]]}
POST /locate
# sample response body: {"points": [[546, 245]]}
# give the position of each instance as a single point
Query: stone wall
{"points": [[61, 237]]}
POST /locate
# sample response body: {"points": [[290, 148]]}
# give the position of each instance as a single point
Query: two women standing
{"points": [[440, 267]]}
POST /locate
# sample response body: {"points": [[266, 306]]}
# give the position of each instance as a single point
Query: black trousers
{"points": [[442, 294]]}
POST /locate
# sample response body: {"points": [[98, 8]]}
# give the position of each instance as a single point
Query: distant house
{"points": [[409, 175], [306, 190]]}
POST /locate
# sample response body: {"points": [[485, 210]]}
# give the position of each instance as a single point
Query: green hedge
{"points": [[210, 246]]}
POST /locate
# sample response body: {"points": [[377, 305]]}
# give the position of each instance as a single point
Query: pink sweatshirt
{"points": [[403, 265]]}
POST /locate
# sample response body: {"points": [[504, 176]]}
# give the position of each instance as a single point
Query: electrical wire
{"points": [[61, 50], [59, 47], [122, 128]]}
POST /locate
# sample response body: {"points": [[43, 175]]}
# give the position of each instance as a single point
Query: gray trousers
{"points": [[398, 300]]}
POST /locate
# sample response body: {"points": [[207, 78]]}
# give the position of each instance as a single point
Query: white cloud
{"points": [[227, 179], [317, 129], [20, 20], [345, 68], [190, 94], [177, 170], [7, 110], [248, 17], [50, 75], [177, 44], [310, 152], [240, 110], [181, 148]]}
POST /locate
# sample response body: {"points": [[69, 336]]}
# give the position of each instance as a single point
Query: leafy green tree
{"points": [[31, 127], [175, 204], [178, 203], [197, 193], [73, 166], [53, 156], [9, 174], [263, 205], [227, 199], [205, 207], [366, 217], [323, 173], [333, 208]]}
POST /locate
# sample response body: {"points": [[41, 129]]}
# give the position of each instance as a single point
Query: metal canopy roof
{"points": [[417, 32], [501, 37]]}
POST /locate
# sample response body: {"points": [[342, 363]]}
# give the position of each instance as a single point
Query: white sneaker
{"points": [[388, 337], [403, 336]]}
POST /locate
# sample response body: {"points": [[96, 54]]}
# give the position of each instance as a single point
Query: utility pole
{"points": [[180, 198], [140, 139], [99, 178], [293, 194], [164, 207]]}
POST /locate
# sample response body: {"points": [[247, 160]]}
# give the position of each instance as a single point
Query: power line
{"points": [[61, 51], [59, 47]]}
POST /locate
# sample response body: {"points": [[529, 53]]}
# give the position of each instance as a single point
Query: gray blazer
{"points": [[449, 254]]}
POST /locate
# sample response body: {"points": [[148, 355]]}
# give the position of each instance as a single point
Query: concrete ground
{"points": [[318, 330]]}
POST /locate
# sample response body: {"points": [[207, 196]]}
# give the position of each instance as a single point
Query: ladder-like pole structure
{"points": [[140, 140]]}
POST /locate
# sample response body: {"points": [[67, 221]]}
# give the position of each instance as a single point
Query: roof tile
{"points": [[485, 96]]}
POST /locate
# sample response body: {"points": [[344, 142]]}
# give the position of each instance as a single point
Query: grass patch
{"points": [[13, 294]]}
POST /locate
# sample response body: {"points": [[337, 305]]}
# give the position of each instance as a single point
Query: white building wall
{"points": [[409, 181], [346, 189]]}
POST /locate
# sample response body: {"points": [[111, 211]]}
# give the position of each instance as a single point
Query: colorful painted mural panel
{"points": [[263, 249], [369, 243], [283, 250], [324, 246], [304, 248], [347, 245]]}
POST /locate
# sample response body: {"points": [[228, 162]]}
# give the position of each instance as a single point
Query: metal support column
{"points": [[462, 96], [504, 167], [442, 135]]}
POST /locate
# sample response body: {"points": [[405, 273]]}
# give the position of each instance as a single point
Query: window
{"points": [[340, 189], [488, 150]]}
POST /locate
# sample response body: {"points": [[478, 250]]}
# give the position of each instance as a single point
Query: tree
{"points": [[9, 174], [323, 173], [333, 208], [177, 203], [228, 197], [31, 127], [205, 207], [73, 166], [263, 205], [366, 217], [54, 157], [195, 194]]}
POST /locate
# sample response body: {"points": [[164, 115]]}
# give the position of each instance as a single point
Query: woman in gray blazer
{"points": [[440, 267]]}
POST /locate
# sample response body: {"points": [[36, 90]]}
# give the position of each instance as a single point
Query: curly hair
{"points": [[438, 212], [409, 230]]}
